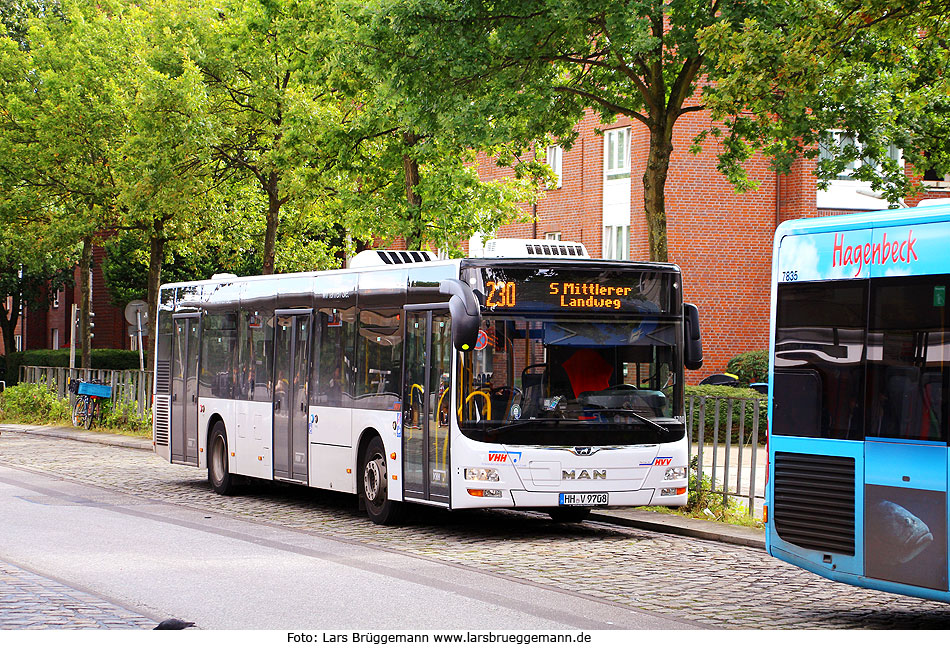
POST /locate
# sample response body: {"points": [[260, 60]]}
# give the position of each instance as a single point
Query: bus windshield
{"points": [[563, 381]]}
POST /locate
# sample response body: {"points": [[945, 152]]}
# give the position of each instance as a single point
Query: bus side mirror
{"points": [[466, 319], [693, 353]]}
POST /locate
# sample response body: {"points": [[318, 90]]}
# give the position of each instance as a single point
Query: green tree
{"points": [[779, 75], [60, 127], [410, 143], [877, 72], [269, 112], [555, 58]]}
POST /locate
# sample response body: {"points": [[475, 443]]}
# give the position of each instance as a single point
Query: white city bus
{"points": [[542, 379]]}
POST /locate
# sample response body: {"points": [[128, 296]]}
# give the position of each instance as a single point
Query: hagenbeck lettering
{"points": [[895, 251]]}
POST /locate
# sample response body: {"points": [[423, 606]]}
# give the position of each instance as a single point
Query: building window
{"points": [[56, 301], [840, 141], [555, 154], [617, 153], [18, 342], [54, 344], [617, 242], [844, 191], [552, 236]]}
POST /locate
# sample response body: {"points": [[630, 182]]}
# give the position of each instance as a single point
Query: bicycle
{"points": [[88, 405]]}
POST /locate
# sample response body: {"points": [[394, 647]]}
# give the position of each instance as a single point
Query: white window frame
{"points": [[18, 342], [616, 242], [552, 236], [54, 339], [845, 192], [617, 153], [555, 155], [56, 299]]}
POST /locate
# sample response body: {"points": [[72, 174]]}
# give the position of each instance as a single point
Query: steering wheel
{"points": [[524, 372], [505, 391], [623, 386]]}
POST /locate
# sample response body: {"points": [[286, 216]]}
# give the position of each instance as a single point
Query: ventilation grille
{"points": [[814, 501], [519, 248], [370, 258], [161, 420], [163, 377], [556, 250]]}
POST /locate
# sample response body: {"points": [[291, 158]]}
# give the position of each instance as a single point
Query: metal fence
{"points": [[727, 437], [127, 385]]}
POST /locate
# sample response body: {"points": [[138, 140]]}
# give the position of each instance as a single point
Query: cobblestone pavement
{"points": [[32, 602], [696, 580]]}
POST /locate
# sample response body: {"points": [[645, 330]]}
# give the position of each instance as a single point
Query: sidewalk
{"points": [[630, 517]]}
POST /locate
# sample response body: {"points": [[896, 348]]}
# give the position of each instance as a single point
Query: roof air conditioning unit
{"points": [[373, 258], [534, 248]]}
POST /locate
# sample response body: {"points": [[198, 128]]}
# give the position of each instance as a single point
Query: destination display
{"points": [[605, 291]]}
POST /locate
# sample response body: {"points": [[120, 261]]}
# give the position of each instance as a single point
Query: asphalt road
{"points": [[153, 539], [225, 572]]}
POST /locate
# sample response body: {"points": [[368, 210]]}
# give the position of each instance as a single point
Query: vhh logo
{"points": [[497, 457]]}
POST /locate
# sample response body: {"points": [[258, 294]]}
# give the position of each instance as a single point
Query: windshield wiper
{"points": [[636, 415], [523, 422]]}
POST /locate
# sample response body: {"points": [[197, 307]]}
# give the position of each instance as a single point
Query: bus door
{"points": [[184, 423], [426, 405], [905, 451], [291, 370]]}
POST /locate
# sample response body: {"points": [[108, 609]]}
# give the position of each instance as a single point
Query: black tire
{"points": [[79, 411], [92, 411], [218, 472], [568, 514], [374, 485]]}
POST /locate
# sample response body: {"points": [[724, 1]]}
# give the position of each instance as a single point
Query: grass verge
{"points": [[36, 404]]}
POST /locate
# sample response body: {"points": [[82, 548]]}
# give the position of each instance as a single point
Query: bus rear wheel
{"points": [[218, 473], [375, 486]]}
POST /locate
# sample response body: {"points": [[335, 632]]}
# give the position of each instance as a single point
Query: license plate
{"points": [[583, 499]]}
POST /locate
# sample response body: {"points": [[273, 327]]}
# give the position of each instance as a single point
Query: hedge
{"points": [[751, 367], [713, 392], [120, 359]]}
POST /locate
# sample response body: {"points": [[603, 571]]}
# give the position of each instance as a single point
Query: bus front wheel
{"points": [[218, 474], [375, 485]]}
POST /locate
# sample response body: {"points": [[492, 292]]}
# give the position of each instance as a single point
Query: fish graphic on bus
{"points": [[900, 535]]}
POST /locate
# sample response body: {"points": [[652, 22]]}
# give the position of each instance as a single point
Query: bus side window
{"points": [[379, 354], [334, 358]]}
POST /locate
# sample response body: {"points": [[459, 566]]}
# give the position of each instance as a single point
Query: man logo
{"points": [[584, 474], [583, 451]]}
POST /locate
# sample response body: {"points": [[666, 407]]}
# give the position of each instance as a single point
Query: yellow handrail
{"points": [[483, 395]]}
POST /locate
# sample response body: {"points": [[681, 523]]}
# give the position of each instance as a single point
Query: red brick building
{"points": [[721, 240], [50, 329]]}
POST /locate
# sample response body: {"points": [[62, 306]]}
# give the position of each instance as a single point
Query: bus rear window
{"points": [[819, 354]]}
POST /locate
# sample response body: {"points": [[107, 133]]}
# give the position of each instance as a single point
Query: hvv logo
{"points": [[502, 456]]}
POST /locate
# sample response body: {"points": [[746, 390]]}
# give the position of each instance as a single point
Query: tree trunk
{"points": [[155, 259], [85, 262], [273, 219], [415, 235], [8, 322], [654, 192]]}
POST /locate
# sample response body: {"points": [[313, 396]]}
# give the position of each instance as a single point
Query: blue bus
{"points": [[859, 397]]}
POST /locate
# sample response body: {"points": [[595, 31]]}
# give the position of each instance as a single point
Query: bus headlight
{"points": [[481, 474], [487, 492], [675, 473]]}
